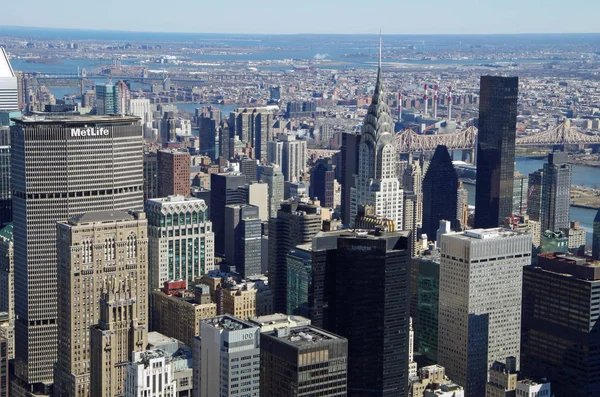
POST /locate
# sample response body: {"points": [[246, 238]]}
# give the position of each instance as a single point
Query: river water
{"points": [[582, 176]]}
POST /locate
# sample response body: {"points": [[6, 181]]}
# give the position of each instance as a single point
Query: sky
{"points": [[310, 16]]}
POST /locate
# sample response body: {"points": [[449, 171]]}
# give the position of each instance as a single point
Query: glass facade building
{"points": [[496, 150]]}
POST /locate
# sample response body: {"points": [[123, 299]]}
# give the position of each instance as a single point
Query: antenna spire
{"points": [[379, 48]]}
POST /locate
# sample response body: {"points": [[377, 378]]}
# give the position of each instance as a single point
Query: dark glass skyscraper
{"points": [[556, 193], [223, 191], [496, 150], [322, 182], [440, 193], [5, 196], [372, 311], [560, 335], [349, 152]]}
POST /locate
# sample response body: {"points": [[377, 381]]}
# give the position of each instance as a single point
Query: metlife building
{"points": [[61, 167]]}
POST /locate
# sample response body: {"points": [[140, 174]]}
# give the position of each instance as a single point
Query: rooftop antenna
{"points": [[379, 48]]}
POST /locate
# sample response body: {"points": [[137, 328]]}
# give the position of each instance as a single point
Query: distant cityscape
{"points": [[304, 215]]}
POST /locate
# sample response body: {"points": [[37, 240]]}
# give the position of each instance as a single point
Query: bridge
{"points": [[563, 134]]}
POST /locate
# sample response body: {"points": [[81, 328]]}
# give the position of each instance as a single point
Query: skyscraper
{"points": [[253, 126], [7, 287], [556, 192], [560, 339], [440, 193], [9, 97], [480, 302], [224, 190], [376, 182], [173, 173], [181, 240], [534, 205], [596, 237], [273, 177], [4, 386], [89, 163], [107, 99], [209, 121], [293, 157], [287, 366], [92, 248], [349, 169], [322, 182], [296, 223], [5, 194], [496, 150], [227, 358], [150, 175], [372, 275], [243, 239]]}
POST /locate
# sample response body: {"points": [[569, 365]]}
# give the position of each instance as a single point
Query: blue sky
{"points": [[310, 16]]}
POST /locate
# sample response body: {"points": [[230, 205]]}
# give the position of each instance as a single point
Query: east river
{"points": [[582, 176]]}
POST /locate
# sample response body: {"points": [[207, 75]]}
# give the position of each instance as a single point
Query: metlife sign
{"points": [[90, 131]]}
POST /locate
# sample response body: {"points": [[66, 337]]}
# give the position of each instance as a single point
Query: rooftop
{"points": [[75, 119], [485, 234], [227, 323], [278, 318], [6, 232], [101, 216], [302, 335]]}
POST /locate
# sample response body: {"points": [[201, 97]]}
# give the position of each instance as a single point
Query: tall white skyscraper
{"points": [[142, 108], [377, 181], [9, 98], [481, 274], [227, 358]]}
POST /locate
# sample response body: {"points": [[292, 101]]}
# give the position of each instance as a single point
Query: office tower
{"points": [[372, 275], [229, 350], [75, 147], [91, 249], [302, 361], [425, 295], [561, 299], [596, 237], [88, 100], [176, 311], [410, 203], [150, 175], [296, 223], [224, 136], [208, 125], [322, 182], [243, 239], [181, 239], [253, 126], [150, 374], [273, 177], [123, 97], [502, 378], [224, 190], [275, 93], [257, 194], [299, 281], [520, 193], [121, 330], [9, 97], [556, 192], [480, 302], [293, 157], [495, 151], [5, 194], [576, 237], [349, 169], [412, 182], [107, 99], [440, 193], [4, 385], [534, 204], [462, 207], [7, 287], [142, 108], [377, 181], [248, 169], [275, 153], [173, 173], [164, 369], [168, 128]]}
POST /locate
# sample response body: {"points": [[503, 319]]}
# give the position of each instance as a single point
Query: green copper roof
{"points": [[7, 232]]}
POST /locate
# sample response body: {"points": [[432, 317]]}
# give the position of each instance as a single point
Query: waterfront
{"points": [[582, 176]]}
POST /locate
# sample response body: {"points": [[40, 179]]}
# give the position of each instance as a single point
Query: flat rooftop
{"points": [[302, 336], [227, 323], [75, 119], [485, 234], [101, 216]]}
